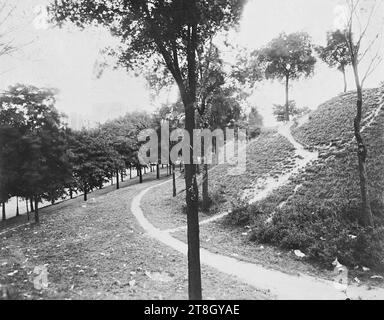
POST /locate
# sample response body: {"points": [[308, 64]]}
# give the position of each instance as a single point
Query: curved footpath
{"points": [[304, 157], [278, 284]]}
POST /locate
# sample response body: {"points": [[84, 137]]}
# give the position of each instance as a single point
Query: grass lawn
{"points": [[100, 252]]}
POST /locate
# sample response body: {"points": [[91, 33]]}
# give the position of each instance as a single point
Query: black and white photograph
{"points": [[183, 150]]}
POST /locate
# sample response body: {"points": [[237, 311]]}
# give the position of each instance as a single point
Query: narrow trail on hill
{"points": [[278, 284], [269, 184]]}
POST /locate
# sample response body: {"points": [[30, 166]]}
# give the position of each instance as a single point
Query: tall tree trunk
{"points": [[157, 171], [189, 100], [205, 203], [205, 188], [26, 206], [70, 193], [117, 180], [85, 193], [17, 206], [31, 204], [174, 181], [3, 212], [366, 212], [345, 79], [130, 172], [37, 218], [287, 98], [140, 175]]}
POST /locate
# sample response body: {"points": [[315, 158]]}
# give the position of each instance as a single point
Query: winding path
{"points": [[280, 285], [303, 158]]}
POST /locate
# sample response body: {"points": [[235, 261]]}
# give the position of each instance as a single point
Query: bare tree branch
{"points": [[376, 60]]}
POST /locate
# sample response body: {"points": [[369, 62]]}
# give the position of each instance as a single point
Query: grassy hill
{"points": [[268, 155], [317, 210]]}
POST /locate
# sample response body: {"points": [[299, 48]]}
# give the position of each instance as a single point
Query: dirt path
{"points": [[281, 285], [268, 185], [278, 284]]}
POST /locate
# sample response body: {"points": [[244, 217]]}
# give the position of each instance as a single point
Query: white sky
{"points": [[65, 59]]}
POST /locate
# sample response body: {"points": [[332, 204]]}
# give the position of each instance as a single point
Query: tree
{"points": [[174, 115], [247, 69], [121, 136], [279, 110], [91, 160], [35, 143], [358, 52], [288, 57], [336, 53], [211, 75], [169, 32], [10, 138], [254, 123]]}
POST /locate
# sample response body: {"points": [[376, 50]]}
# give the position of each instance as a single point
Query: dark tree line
{"points": [[42, 159]]}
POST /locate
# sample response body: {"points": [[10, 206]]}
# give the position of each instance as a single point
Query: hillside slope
{"points": [[317, 210], [269, 155]]}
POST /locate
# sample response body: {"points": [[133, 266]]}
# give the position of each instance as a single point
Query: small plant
{"points": [[322, 236]]}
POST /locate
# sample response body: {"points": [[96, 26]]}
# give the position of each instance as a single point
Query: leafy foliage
{"points": [[336, 52], [288, 56], [279, 110], [33, 143]]}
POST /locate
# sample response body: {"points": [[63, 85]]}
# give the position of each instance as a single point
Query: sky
{"points": [[67, 59]]}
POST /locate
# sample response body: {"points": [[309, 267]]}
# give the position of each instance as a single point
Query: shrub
{"points": [[241, 215], [323, 236]]}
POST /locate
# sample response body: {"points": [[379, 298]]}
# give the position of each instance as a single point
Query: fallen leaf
{"points": [[299, 254], [148, 274], [132, 283]]}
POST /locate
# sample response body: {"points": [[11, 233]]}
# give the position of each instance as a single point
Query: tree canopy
{"points": [[33, 144], [336, 52], [288, 57]]}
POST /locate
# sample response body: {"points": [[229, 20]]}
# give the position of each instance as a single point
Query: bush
{"points": [[323, 236], [215, 200], [241, 215]]}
